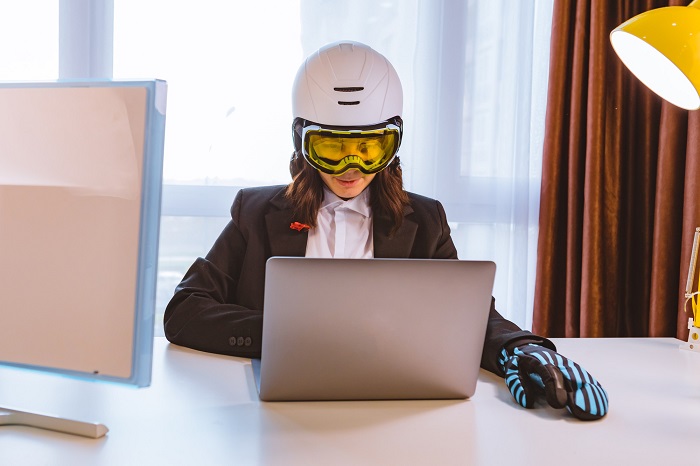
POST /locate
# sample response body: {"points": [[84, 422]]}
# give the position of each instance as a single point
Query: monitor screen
{"points": [[80, 187]]}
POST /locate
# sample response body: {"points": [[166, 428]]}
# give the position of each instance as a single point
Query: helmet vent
{"points": [[348, 89], [354, 102]]}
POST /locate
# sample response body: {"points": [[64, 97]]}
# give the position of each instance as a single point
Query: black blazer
{"points": [[218, 305]]}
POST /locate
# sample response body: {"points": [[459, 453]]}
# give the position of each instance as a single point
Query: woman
{"points": [[346, 200]]}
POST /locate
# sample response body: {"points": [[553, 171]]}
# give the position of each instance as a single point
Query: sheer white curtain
{"points": [[480, 95], [475, 80], [474, 75], [479, 149]]}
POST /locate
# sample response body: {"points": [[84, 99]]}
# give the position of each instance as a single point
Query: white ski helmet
{"points": [[347, 84], [347, 102]]}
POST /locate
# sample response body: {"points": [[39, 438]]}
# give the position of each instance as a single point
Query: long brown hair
{"points": [[305, 192]]}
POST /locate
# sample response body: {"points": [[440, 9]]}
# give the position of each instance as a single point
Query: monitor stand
{"points": [[41, 421]]}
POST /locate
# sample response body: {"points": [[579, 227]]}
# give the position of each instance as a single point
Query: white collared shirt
{"points": [[343, 228]]}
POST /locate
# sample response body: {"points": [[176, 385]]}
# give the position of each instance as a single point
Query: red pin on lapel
{"points": [[299, 226]]}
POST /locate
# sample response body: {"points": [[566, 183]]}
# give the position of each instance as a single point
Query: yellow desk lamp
{"points": [[662, 48]]}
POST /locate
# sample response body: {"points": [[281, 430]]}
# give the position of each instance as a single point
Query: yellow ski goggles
{"points": [[335, 150]]}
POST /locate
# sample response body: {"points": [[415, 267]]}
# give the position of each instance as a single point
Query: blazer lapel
{"points": [[398, 246], [284, 241]]}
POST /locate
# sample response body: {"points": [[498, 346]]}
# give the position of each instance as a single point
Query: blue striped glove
{"points": [[532, 371]]}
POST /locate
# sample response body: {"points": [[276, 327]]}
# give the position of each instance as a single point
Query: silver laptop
{"points": [[372, 329]]}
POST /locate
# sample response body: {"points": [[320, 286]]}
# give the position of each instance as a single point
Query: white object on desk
{"points": [[693, 343], [693, 335]]}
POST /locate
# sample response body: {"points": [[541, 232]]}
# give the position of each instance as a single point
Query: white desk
{"points": [[202, 409]]}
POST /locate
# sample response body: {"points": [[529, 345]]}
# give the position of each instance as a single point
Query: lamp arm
{"points": [[693, 263]]}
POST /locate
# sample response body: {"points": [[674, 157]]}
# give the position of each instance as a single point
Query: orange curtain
{"points": [[619, 200]]}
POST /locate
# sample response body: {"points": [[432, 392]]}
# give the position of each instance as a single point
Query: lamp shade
{"points": [[662, 48]]}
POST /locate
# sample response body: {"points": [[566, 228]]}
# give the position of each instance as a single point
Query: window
{"points": [[29, 34], [474, 75], [229, 66]]}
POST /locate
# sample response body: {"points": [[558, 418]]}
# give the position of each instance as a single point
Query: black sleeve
{"points": [[199, 316], [502, 333], [204, 313]]}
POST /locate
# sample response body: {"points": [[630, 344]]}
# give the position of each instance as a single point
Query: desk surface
{"points": [[203, 409]]}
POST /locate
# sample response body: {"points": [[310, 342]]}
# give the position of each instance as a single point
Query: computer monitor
{"points": [[80, 188]]}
